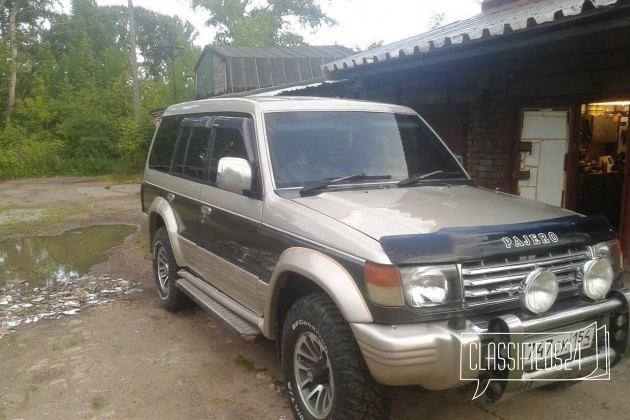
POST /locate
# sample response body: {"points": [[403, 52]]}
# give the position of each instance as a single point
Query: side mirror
{"points": [[234, 175]]}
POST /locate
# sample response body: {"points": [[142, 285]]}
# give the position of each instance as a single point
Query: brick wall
{"points": [[488, 117], [489, 137]]}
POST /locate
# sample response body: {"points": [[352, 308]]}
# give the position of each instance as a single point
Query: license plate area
{"points": [[545, 350]]}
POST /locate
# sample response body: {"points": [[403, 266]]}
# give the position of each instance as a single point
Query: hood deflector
{"points": [[474, 243]]}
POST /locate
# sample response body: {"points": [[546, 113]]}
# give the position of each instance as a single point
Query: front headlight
{"points": [[430, 285]]}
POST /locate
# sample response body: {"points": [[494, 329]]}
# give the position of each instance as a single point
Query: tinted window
{"points": [[228, 142], [161, 154], [192, 144], [164, 143], [196, 152], [191, 149], [311, 146], [180, 151]]}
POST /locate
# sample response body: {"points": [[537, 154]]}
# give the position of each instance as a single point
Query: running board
{"points": [[201, 292]]}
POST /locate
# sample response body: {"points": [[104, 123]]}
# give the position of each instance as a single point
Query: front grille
{"points": [[493, 281]]}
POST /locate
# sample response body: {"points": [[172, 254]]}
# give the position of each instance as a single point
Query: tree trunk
{"points": [[13, 59]]}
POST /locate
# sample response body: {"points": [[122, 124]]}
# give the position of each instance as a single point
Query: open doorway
{"points": [[602, 147]]}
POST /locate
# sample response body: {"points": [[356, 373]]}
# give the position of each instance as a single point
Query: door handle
{"points": [[205, 211], [170, 197]]}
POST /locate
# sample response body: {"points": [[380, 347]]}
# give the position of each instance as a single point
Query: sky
{"points": [[360, 22]]}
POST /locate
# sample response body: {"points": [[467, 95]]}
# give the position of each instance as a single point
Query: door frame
{"points": [[624, 217], [571, 154]]}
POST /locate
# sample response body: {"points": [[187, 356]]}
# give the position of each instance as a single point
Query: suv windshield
{"points": [[312, 146]]}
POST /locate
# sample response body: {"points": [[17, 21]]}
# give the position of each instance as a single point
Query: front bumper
{"points": [[436, 357]]}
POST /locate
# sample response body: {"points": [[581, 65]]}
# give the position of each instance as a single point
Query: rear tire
{"points": [[326, 375], [165, 273]]}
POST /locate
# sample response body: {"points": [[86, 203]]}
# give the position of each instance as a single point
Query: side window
{"points": [[228, 142], [180, 152], [196, 152], [164, 143], [192, 144]]}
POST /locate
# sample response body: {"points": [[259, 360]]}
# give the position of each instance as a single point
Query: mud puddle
{"points": [[44, 277], [40, 261]]}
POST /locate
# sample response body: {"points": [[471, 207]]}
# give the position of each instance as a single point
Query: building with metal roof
{"points": [[500, 19], [223, 70]]}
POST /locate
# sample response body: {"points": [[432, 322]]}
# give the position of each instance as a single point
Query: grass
{"points": [[72, 341], [46, 269], [98, 401], [247, 364], [244, 362], [28, 392], [123, 178], [37, 167], [143, 244]]}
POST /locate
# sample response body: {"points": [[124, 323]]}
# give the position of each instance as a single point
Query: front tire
{"points": [[326, 375], [165, 272]]}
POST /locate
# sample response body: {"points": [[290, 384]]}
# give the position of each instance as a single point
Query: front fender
{"points": [[322, 270]]}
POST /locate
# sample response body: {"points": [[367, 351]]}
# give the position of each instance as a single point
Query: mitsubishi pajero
{"points": [[347, 232]]}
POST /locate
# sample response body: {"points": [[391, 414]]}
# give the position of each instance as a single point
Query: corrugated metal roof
{"points": [[483, 26], [310, 51]]}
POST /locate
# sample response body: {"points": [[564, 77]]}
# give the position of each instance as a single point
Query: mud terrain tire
{"points": [[326, 375], [165, 273]]}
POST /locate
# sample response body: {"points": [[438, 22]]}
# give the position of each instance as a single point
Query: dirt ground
{"points": [[133, 360]]}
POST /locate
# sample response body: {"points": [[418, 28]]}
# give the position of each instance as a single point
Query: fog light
{"points": [[540, 289], [598, 277]]}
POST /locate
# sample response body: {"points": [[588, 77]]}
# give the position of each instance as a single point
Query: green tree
{"points": [[73, 112], [249, 23], [21, 21], [160, 38], [169, 56]]}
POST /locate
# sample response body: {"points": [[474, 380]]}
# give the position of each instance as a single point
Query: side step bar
{"points": [[221, 307]]}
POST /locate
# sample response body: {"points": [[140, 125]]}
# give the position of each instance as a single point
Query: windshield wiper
{"points": [[420, 177], [314, 188]]}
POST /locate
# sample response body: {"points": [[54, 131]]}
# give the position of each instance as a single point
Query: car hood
{"points": [[427, 209]]}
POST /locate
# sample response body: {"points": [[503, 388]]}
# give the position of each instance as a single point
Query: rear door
{"points": [[188, 170]]}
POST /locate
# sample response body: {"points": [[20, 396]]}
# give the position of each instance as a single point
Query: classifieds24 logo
{"points": [[576, 355]]}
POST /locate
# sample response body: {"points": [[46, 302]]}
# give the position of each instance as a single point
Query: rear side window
{"points": [[188, 162], [164, 143], [196, 152], [191, 146], [191, 149]]}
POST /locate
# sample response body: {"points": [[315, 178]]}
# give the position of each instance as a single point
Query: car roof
{"points": [[253, 104]]}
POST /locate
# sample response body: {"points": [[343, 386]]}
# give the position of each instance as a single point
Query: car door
{"points": [[230, 221], [188, 170]]}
